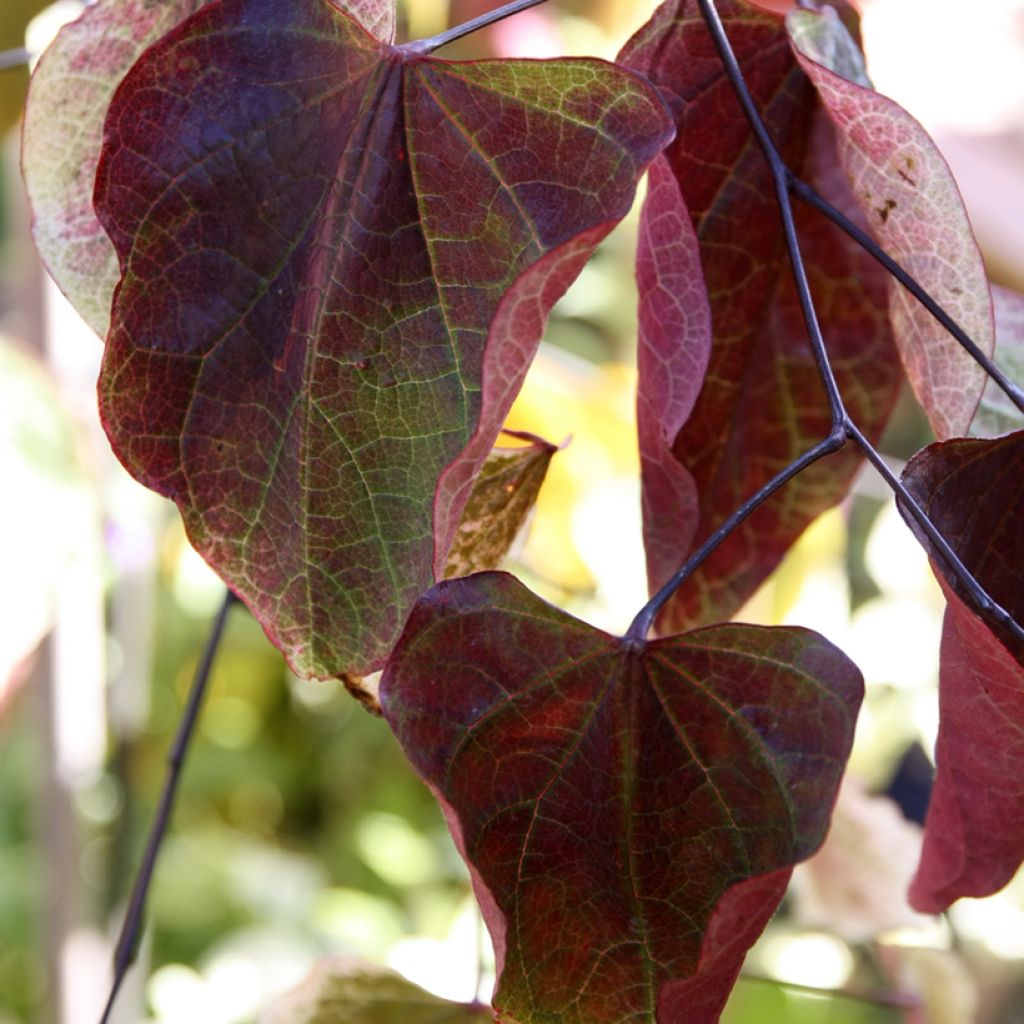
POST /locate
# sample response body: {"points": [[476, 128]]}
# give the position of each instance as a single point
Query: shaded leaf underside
{"points": [[607, 797], [973, 490], [337, 260], [762, 403]]}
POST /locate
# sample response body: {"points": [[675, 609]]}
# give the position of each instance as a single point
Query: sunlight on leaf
{"points": [[996, 413]]}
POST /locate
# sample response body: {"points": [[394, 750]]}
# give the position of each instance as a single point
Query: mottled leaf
{"points": [[973, 490], [72, 86], [762, 402], [629, 811], [343, 990], [504, 493], [996, 413], [337, 260], [909, 197]]}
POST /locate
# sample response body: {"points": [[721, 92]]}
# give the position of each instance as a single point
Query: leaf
{"points": [[996, 413], [628, 811], [68, 99], [855, 886], [338, 257], [973, 491], [504, 493], [344, 990], [15, 16], [908, 194], [761, 403], [71, 90]]}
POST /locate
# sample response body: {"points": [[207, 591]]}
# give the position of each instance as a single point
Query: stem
{"points": [[468, 27], [888, 999], [10, 59], [870, 246], [127, 942], [977, 593], [641, 625]]}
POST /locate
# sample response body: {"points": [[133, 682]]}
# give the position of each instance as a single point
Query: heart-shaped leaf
{"points": [[973, 491], [762, 403], [909, 197], [337, 260], [629, 811]]}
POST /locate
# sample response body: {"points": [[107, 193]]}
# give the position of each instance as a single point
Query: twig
{"points": [[843, 427], [11, 59], [467, 28], [894, 1000], [804, 191], [127, 942], [641, 625]]}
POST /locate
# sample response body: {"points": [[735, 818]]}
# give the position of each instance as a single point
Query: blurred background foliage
{"points": [[300, 829]]}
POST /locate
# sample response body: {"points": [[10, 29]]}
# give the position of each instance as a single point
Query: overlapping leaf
{"points": [[973, 490], [62, 135], [996, 413], [337, 259], [628, 811], [762, 402], [908, 195], [503, 496]]}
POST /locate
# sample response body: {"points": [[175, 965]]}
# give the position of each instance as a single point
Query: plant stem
{"points": [[127, 941], [804, 191], [467, 28], [641, 625], [10, 59], [888, 999]]}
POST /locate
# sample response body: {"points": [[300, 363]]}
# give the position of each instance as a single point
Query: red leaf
{"points": [[629, 812], [908, 194], [337, 259], [762, 403], [973, 490]]}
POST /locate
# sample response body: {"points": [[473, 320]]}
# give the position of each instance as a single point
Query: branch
{"points": [[641, 625], [11, 59], [467, 28], [804, 191], [127, 941]]}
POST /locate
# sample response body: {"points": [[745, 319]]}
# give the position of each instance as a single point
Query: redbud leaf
{"points": [[996, 413], [911, 201], [973, 491], [629, 811], [337, 259], [761, 403], [344, 990]]}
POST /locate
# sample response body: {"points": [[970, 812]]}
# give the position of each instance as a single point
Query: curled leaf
{"points": [[907, 193], [337, 260], [973, 491], [629, 812]]}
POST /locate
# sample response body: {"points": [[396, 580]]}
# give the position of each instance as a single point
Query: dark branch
{"points": [[804, 191], [641, 625], [127, 942], [469, 27]]}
